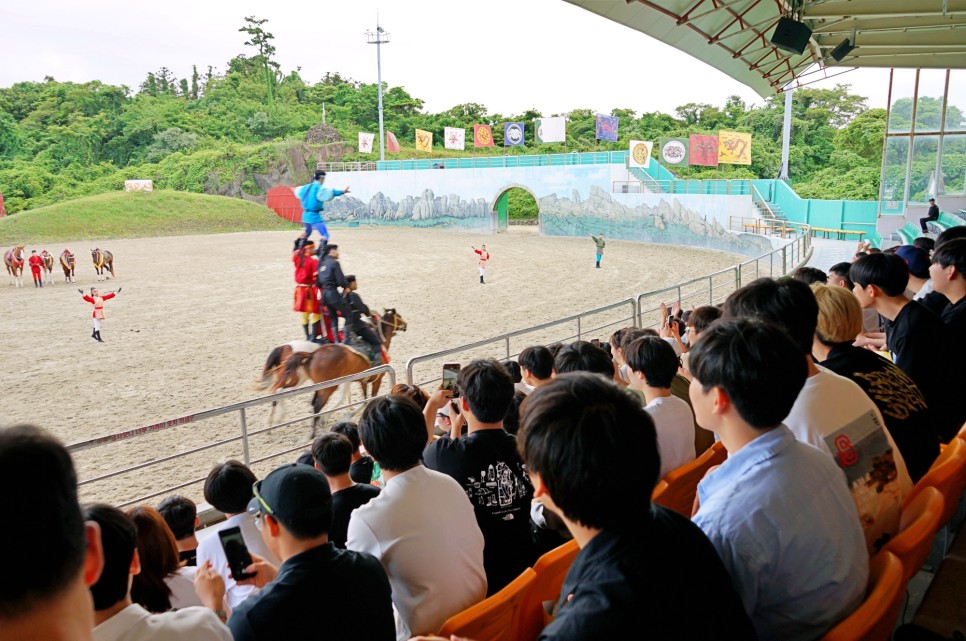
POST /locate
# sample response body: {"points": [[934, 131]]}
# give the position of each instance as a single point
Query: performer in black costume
{"points": [[330, 279], [356, 309]]}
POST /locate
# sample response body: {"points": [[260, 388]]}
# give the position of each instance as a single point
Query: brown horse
{"points": [[103, 263], [294, 363], [48, 267], [67, 264], [14, 259]]}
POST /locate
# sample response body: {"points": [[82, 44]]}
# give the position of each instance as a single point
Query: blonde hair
{"points": [[839, 314]]}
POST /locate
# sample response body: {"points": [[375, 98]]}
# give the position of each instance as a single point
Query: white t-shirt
{"points": [[209, 549], [182, 585], [134, 623], [836, 416], [674, 424]]}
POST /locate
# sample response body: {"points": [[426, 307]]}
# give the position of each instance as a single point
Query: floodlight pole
{"points": [[786, 134], [378, 38]]}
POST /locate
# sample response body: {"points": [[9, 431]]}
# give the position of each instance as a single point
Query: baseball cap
{"points": [[917, 259], [292, 492]]}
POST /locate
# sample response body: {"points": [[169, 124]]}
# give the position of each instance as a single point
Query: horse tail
{"points": [[289, 375], [271, 364]]}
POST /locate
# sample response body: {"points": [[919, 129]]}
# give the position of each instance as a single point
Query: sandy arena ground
{"points": [[199, 314]]}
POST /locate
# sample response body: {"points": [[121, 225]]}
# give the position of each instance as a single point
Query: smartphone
{"points": [[233, 543], [450, 372]]}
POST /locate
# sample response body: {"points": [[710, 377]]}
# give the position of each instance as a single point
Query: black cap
{"points": [[932, 200], [319, 174], [292, 491]]}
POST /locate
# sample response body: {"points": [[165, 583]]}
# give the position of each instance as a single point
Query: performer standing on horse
{"points": [[313, 198], [36, 263], [306, 292], [357, 309], [330, 279], [97, 301]]}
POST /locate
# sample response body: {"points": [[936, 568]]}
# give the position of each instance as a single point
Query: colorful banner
{"points": [[734, 148], [674, 151], [455, 138], [640, 153], [703, 150], [513, 134], [607, 128], [551, 130], [424, 140], [365, 142], [482, 136], [391, 143]]}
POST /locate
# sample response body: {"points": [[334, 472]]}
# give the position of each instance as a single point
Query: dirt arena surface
{"points": [[199, 314]]}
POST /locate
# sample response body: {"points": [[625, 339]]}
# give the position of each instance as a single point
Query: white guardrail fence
{"points": [[234, 439]]}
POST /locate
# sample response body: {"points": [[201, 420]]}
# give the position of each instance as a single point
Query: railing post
{"points": [[710, 290], [784, 261], [578, 328], [244, 432], [508, 346], [738, 276]]}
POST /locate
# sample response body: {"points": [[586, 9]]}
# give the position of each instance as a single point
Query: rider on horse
{"points": [[330, 279], [357, 309]]}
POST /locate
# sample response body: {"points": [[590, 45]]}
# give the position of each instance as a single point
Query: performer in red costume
{"points": [[97, 301], [484, 257], [306, 291], [36, 263]]}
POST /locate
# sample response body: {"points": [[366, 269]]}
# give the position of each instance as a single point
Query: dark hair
{"points": [[703, 316], [632, 335], [786, 302], [888, 272], [394, 432], [581, 356], [46, 548], [349, 279], [332, 453], [513, 369], [924, 242], [418, 396], [511, 422], [537, 360], [842, 271], [159, 558], [654, 358], [554, 348], [575, 431], [319, 174], [229, 487], [952, 252], [118, 540], [487, 388], [179, 513], [330, 247], [757, 365], [618, 335], [809, 275], [350, 430], [953, 233]]}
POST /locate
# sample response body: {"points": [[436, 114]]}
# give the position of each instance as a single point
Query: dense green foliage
{"points": [[138, 215], [521, 205], [60, 140]]}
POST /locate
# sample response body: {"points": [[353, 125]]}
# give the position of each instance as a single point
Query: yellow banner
{"points": [[734, 148], [424, 140]]}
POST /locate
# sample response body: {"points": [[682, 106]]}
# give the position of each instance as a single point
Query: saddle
{"points": [[354, 341]]}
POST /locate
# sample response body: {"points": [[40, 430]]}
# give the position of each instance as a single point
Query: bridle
{"points": [[394, 323]]}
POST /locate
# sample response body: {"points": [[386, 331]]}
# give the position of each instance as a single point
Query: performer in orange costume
{"points": [[484, 257], [306, 291], [97, 301]]}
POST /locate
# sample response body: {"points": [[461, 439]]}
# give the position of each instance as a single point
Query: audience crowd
{"points": [[830, 393]]}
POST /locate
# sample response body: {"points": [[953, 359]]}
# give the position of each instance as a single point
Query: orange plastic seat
{"points": [[551, 570], [917, 529], [875, 618], [948, 475], [494, 618], [682, 482]]}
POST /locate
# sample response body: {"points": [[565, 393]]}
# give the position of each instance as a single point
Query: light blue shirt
{"points": [[780, 515]]}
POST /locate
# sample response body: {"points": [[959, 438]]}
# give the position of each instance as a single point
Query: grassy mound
{"points": [[138, 215]]}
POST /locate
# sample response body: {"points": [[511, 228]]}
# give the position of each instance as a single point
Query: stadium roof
{"points": [[734, 35]]}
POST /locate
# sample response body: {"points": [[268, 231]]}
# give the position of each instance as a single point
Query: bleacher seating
{"points": [[496, 617], [946, 220], [917, 530], [676, 491], [908, 233], [876, 617]]}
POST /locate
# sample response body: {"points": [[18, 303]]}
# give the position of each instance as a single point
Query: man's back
{"points": [[674, 423], [835, 410], [780, 516], [652, 578], [320, 593], [134, 623], [423, 530], [343, 503], [486, 463]]}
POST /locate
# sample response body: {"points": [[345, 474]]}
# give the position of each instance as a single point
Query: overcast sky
{"points": [[509, 55]]}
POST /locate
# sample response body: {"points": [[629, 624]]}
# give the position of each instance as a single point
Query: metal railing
{"points": [[244, 437], [761, 203], [501, 346]]}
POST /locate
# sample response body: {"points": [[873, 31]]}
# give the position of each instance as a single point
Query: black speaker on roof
{"points": [[791, 36], [843, 49]]}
